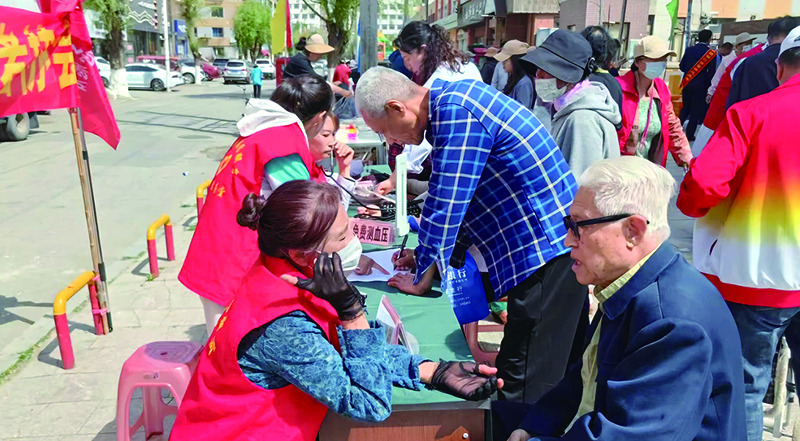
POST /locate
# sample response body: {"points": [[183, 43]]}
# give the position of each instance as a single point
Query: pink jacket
{"points": [[672, 134]]}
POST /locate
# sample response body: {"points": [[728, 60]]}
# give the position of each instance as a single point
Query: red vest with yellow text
{"points": [[221, 404], [221, 251]]}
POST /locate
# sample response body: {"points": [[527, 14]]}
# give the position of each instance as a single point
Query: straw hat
{"points": [[316, 45], [744, 37], [512, 47]]}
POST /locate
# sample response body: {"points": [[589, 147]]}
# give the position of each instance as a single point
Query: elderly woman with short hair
{"points": [[664, 360]]}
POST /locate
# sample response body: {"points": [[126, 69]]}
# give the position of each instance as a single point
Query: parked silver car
{"points": [[237, 71]]}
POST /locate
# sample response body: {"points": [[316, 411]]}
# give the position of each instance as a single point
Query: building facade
{"points": [[578, 14], [214, 30], [493, 22], [305, 21]]}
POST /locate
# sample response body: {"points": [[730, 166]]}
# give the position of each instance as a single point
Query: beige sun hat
{"points": [[512, 47], [491, 52], [316, 45], [652, 47], [744, 37]]}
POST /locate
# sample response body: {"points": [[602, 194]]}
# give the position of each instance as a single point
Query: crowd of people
{"points": [[549, 170]]}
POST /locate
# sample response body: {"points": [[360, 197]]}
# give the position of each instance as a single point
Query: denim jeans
{"points": [[760, 329]]}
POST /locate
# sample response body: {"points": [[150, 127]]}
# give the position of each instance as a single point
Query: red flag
{"points": [[96, 112], [85, 89], [37, 63]]}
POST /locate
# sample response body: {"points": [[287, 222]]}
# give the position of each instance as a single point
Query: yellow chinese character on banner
{"points": [[211, 347], [10, 49], [225, 161], [38, 41], [221, 322], [67, 62]]}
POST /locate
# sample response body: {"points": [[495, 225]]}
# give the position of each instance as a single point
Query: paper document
{"points": [[385, 319], [382, 258]]}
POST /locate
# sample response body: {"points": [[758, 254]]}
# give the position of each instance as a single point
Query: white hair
{"points": [[378, 86], [633, 185]]}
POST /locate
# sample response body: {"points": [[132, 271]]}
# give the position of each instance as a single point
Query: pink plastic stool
{"points": [[155, 365]]}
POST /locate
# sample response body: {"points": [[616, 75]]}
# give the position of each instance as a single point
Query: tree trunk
{"points": [[337, 37], [118, 86], [197, 70]]}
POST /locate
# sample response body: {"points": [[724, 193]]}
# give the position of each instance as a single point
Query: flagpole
{"points": [[84, 172]]}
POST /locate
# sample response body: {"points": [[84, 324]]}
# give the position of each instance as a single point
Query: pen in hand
{"points": [[402, 247]]}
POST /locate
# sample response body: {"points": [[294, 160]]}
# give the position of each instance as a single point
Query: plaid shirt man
{"points": [[498, 177]]}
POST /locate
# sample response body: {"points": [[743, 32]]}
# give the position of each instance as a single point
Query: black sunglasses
{"points": [[573, 226]]}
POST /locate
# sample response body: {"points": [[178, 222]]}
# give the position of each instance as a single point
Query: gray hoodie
{"points": [[584, 128]]}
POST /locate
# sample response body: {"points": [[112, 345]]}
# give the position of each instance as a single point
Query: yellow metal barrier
{"points": [[60, 304], [60, 314], [200, 197], [152, 255]]}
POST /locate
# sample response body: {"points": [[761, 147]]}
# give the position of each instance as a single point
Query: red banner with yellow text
{"points": [[37, 63]]}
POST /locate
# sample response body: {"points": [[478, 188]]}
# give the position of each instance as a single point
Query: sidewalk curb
{"points": [[14, 355]]}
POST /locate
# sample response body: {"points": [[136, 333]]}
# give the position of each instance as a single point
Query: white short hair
{"points": [[378, 86], [629, 184]]}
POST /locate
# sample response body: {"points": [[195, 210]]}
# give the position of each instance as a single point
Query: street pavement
{"points": [[170, 144], [41, 401]]}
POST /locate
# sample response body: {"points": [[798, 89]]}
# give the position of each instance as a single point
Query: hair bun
{"points": [[250, 213]]}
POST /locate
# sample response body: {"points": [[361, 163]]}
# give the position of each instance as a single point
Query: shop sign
{"points": [[471, 12]]}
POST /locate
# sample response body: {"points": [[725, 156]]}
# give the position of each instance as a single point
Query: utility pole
{"points": [[622, 24], [369, 34], [600, 15], [166, 41], [687, 28]]}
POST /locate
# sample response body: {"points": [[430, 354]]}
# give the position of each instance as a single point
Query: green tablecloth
{"points": [[430, 319]]}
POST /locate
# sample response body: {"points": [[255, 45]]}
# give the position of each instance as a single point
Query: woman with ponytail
{"points": [[273, 148], [431, 55], [295, 341]]}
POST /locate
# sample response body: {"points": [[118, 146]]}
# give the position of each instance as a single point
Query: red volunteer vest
{"points": [[630, 106], [716, 110], [221, 404], [221, 251]]}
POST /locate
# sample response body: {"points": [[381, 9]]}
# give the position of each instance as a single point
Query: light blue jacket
{"points": [[255, 75]]}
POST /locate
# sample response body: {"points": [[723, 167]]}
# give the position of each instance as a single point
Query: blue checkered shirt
{"points": [[499, 181]]}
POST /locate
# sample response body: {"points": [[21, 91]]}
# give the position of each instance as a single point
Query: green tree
{"points": [[339, 17], [113, 14], [190, 11], [251, 28]]}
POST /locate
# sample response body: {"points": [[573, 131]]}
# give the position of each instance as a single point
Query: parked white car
{"points": [[267, 68], [105, 69], [150, 76]]}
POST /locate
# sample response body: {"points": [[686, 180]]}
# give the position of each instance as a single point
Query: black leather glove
{"points": [[462, 379], [330, 284]]}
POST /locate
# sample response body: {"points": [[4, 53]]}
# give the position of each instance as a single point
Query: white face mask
{"points": [[747, 47], [548, 90], [655, 69], [350, 255]]}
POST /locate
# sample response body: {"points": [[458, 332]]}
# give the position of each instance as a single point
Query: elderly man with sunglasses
{"points": [[663, 359]]}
